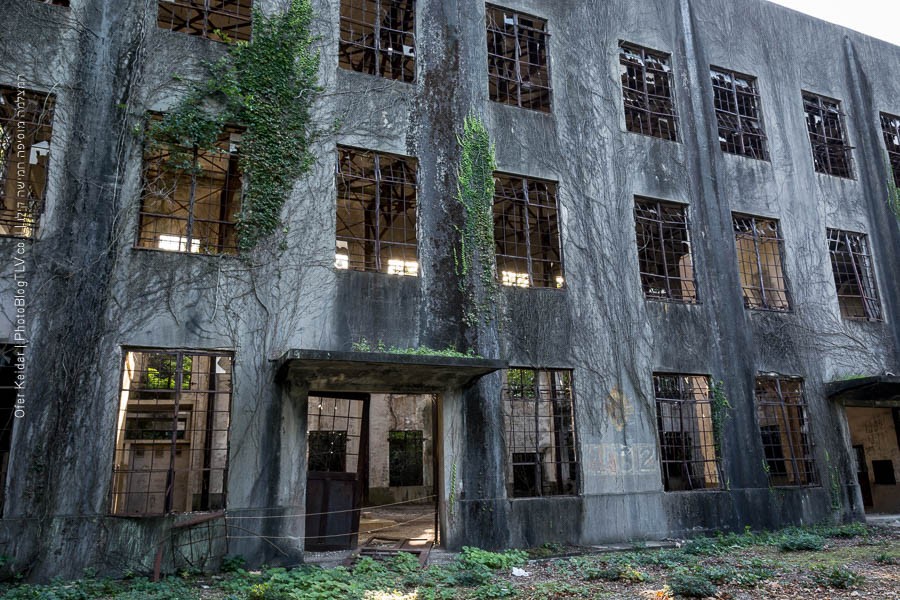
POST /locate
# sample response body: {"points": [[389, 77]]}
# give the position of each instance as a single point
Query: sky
{"points": [[878, 18]]}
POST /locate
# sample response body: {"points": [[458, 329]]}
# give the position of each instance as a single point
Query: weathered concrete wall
{"points": [[94, 294]]}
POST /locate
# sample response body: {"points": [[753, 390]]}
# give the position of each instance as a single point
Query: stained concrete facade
{"points": [[93, 295]]}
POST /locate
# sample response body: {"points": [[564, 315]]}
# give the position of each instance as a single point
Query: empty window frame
{"points": [[760, 250], [828, 135], [518, 68], [10, 358], [664, 251], [220, 20], [647, 92], [378, 37], [26, 125], [406, 458], [738, 114], [539, 422], [854, 276], [191, 196], [172, 434], [890, 130], [335, 439], [376, 212], [526, 232], [784, 431], [687, 442]]}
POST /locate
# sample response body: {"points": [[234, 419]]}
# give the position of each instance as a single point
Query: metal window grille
{"points": [[738, 115], [220, 20], [55, 2], [647, 92], [192, 196], [664, 251], [784, 431], [172, 438], [539, 420], [26, 126], [376, 212], [335, 426], [9, 357], [378, 37], [687, 443], [760, 250], [890, 129], [854, 276], [526, 232], [406, 458], [827, 136], [518, 67]]}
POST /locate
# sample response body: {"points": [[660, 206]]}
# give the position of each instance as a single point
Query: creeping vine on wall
{"points": [[266, 85], [720, 409], [475, 191], [893, 192]]}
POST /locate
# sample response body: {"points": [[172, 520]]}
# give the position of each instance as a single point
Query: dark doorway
{"points": [[873, 435]]}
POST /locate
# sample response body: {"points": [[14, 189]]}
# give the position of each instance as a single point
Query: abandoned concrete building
{"points": [[695, 277]]}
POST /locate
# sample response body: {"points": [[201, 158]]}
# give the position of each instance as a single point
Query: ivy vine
{"points": [[475, 191], [267, 86], [720, 410], [893, 192]]}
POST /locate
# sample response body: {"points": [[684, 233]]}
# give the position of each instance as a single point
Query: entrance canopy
{"points": [[880, 391], [378, 372]]}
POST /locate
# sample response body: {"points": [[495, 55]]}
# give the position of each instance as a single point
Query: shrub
{"points": [[837, 577], [702, 546], [232, 564], [493, 560], [691, 585], [794, 540], [885, 558]]}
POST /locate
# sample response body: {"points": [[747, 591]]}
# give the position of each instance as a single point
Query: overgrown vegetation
{"points": [[266, 85], [893, 197], [363, 345], [720, 408]]}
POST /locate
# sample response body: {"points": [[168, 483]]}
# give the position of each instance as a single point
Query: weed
{"points": [[837, 577], [691, 584], [886, 558], [493, 560], [794, 540]]}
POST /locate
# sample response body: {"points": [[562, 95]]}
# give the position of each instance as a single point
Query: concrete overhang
{"points": [[874, 392], [382, 372]]}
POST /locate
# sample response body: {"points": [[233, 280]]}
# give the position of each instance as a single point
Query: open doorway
{"points": [[876, 446], [371, 471]]}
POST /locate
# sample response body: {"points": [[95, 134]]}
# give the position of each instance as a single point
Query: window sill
{"points": [[185, 253]]}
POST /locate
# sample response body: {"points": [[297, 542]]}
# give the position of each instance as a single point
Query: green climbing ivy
{"points": [[893, 192], [266, 85], [720, 409], [475, 192]]}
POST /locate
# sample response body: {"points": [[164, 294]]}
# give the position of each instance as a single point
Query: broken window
{"points": [[827, 135], [738, 114], [518, 71], [759, 251], [854, 276], [327, 451], [376, 212], [664, 251], [220, 20], [26, 125], [890, 129], [378, 37], [10, 357], [172, 434], [539, 420], [526, 232], [191, 196], [405, 458], [335, 426], [647, 92], [687, 443], [784, 430]]}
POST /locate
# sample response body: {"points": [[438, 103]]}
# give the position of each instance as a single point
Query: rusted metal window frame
{"points": [[520, 62], [685, 396], [760, 286], [178, 391], [890, 131], [798, 435], [561, 404], [409, 438], [862, 272], [642, 102], [380, 55], [751, 99], [241, 30], [823, 145], [659, 238]]}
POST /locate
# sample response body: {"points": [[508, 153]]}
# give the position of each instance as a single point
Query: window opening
{"points": [[854, 276], [526, 232], [405, 456], [828, 136], [664, 251], [647, 92], [518, 70], [759, 251], [9, 358], [220, 20], [172, 436], [890, 130], [784, 431], [378, 37], [738, 114], [376, 213], [539, 419], [686, 436]]}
